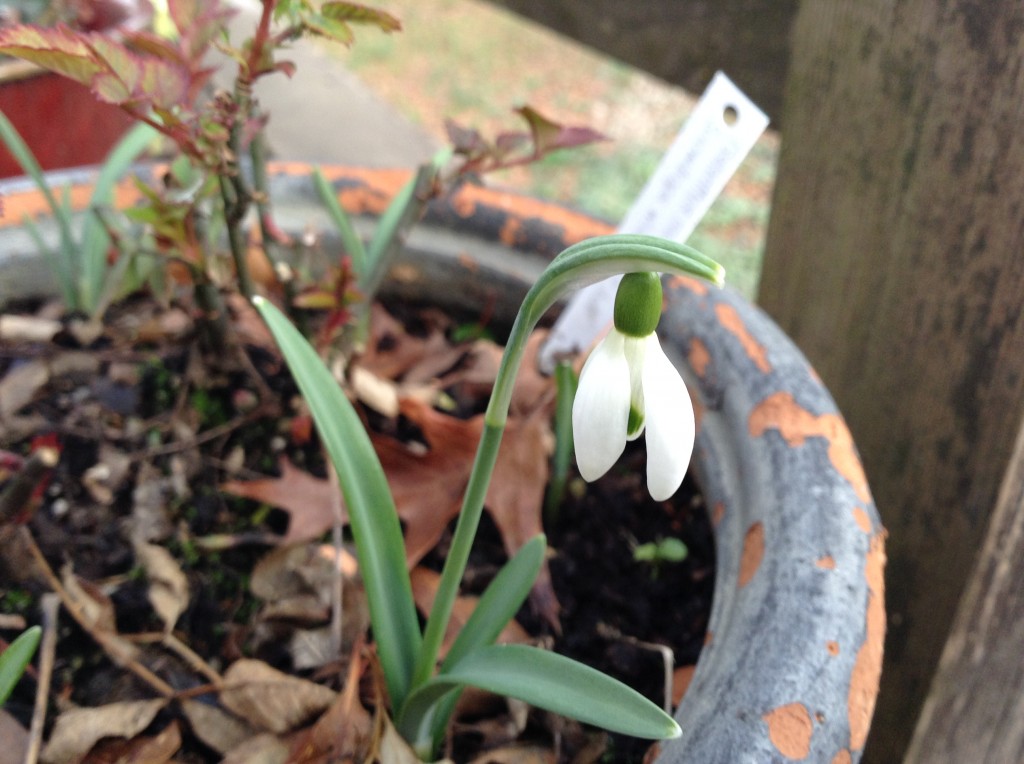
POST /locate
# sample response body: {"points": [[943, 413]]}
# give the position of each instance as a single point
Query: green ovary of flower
{"points": [[628, 385]]}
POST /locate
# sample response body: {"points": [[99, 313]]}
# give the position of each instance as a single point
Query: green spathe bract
{"points": [[422, 696], [638, 302]]}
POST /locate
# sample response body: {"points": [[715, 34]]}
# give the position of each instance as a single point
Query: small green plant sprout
{"points": [[15, 658], [86, 274], [423, 694], [661, 552]]}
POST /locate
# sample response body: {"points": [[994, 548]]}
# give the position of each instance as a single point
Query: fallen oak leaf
{"points": [[308, 500], [427, 486]]}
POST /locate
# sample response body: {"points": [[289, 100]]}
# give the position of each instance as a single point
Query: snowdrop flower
{"points": [[628, 384]]}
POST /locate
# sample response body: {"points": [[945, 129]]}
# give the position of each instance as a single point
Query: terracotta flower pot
{"points": [[793, 653], [60, 120]]}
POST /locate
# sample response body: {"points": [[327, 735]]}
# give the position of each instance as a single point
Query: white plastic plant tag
{"points": [[718, 135]]}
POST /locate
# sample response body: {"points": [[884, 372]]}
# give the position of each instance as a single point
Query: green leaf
{"points": [[15, 658], [332, 29], [349, 238], [499, 602], [401, 214], [57, 49], [357, 13], [496, 607], [556, 683], [95, 239], [371, 508]]}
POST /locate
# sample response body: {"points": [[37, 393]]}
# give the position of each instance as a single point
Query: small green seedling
{"points": [[660, 552]]}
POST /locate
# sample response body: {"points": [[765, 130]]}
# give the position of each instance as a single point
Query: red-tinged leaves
{"points": [[57, 49], [324, 26], [184, 13], [549, 135], [357, 13]]}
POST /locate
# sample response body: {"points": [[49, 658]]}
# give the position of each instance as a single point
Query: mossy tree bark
{"points": [[895, 259]]}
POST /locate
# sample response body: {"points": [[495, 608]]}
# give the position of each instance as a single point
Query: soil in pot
{"points": [[150, 431]]}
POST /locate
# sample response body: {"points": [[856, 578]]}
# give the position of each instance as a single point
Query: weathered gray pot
{"points": [[791, 665]]}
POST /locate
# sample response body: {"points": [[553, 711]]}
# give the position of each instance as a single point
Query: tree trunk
{"points": [[975, 710], [895, 259]]}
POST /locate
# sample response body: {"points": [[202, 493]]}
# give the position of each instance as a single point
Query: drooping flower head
{"points": [[627, 386]]}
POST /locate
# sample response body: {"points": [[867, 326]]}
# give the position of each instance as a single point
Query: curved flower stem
{"points": [[581, 264]]}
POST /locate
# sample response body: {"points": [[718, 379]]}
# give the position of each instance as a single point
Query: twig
{"points": [[16, 494], [204, 437], [183, 651], [50, 604], [112, 644]]}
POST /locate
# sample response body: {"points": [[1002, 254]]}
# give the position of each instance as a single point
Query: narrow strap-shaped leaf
{"points": [[371, 508], [556, 683], [500, 601], [95, 239], [402, 213], [15, 658], [349, 238], [497, 606]]}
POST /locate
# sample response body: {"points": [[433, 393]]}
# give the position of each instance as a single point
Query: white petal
{"points": [[601, 408], [670, 423], [634, 349]]}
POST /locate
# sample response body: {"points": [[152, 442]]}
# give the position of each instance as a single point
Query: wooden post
{"points": [[895, 259], [975, 710]]}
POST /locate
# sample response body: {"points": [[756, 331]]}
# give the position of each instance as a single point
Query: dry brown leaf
{"points": [[155, 749], [428, 486], [78, 730], [94, 606], [168, 586], [217, 728], [393, 749], [15, 328], [308, 500], [344, 732], [424, 589], [150, 520], [18, 387], [270, 699], [378, 393], [264, 748], [392, 353], [15, 740], [480, 370]]}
